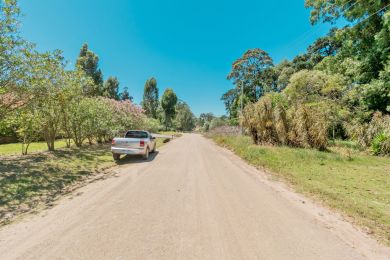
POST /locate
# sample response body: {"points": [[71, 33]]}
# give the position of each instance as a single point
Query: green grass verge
{"points": [[36, 179], [16, 148], [356, 184]]}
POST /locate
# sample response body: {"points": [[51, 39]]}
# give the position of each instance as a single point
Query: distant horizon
{"points": [[185, 46]]}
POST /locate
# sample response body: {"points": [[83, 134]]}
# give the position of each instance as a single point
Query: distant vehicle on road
{"points": [[135, 142]]}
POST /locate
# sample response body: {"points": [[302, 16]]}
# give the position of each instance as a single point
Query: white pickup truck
{"points": [[135, 142]]}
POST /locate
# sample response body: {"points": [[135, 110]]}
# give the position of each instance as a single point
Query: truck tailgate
{"points": [[127, 143]]}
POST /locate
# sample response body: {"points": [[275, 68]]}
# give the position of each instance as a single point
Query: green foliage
{"points": [[204, 118], [82, 116], [308, 86], [381, 144], [13, 50], [152, 125], [46, 85], [168, 104], [334, 89], [253, 72], [218, 122], [40, 99], [377, 130], [184, 119], [125, 95], [27, 121], [150, 99], [111, 88], [88, 62], [328, 11], [376, 96]]}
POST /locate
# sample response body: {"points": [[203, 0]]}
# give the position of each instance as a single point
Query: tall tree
{"points": [[185, 119], [363, 41], [252, 71], [330, 11], [229, 99], [88, 61], [324, 47], [47, 81], [13, 51], [150, 99], [111, 88], [125, 95], [206, 117], [168, 103]]}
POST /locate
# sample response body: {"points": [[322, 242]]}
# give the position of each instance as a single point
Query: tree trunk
{"points": [[334, 141], [50, 137], [254, 135], [24, 140], [50, 145], [28, 144]]}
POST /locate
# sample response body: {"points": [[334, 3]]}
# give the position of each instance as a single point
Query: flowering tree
{"points": [[125, 115]]}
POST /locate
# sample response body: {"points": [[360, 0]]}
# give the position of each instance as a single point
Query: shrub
{"points": [[309, 127], [374, 134], [217, 122], [152, 125], [381, 144], [269, 121]]}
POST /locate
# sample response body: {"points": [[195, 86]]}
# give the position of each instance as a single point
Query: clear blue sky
{"points": [[187, 45]]}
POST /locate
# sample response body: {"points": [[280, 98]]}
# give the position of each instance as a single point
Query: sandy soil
{"points": [[193, 200]]}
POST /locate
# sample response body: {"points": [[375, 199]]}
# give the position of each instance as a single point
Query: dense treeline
{"points": [[41, 100], [169, 111], [339, 88]]}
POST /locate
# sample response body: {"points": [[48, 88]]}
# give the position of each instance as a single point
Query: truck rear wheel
{"points": [[146, 155], [116, 156]]}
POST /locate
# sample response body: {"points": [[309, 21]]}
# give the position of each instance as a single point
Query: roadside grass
{"points": [[40, 178], [344, 178], [16, 148], [34, 181]]}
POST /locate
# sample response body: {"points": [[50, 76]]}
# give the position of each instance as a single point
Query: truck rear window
{"points": [[136, 134]]}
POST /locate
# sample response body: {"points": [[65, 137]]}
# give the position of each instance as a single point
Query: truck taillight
{"points": [[142, 143], [113, 142]]}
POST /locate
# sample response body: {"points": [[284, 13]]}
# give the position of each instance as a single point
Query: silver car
{"points": [[135, 142]]}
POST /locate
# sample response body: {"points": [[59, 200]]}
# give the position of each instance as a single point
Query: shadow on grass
{"points": [[36, 179]]}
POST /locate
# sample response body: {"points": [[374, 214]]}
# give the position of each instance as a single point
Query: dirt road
{"points": [[194, 200]]}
